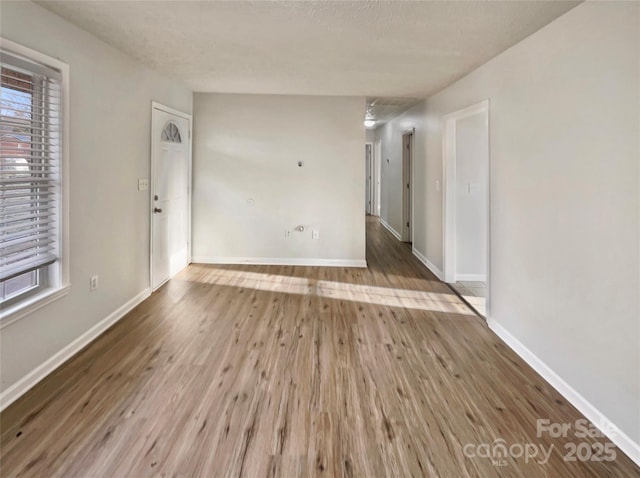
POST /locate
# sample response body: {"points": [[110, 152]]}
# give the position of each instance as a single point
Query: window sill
{"points": [[22, 309]]}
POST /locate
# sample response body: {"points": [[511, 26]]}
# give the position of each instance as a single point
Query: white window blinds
{"points": [[30, 157]]}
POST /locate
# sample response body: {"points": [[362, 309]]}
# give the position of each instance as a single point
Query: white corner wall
{"points": [[248, 188], [565, 202], [110, 115]]}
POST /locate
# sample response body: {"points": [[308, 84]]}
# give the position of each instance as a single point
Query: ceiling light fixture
{"points": [[369, 123]]}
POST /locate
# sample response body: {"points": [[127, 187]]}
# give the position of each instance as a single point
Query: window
{"points": [[171, 133], [31, 192]]}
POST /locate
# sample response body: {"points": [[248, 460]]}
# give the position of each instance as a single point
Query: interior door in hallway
{"points": [[170, 204], [368, 178], [407, 186]]}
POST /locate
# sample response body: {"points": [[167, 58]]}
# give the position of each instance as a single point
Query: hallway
{"points": [[293, 371]]}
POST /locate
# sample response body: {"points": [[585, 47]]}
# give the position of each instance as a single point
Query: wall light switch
{"points": [[287, 234], [143, 184], [437, 185], [315, 234]]}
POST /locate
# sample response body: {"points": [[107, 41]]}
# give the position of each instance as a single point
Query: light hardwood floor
{"points": [[474, 293], [293, 371]]}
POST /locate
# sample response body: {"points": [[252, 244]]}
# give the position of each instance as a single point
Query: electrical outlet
{"points": [[315, 234], [143, 184], [93, 284]]}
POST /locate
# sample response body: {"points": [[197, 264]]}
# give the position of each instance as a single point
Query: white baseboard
{"points": [[437, 272], [15, 391], [620, 439], [471, 277], [390, 229], [283, 261]]}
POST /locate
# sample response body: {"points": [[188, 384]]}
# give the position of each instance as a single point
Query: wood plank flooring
{"points": [[260, 371]]}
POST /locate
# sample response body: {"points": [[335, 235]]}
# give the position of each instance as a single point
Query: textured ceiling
{"points": [[376, 49], [383, 109]]}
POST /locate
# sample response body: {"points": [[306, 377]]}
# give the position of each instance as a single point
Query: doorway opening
{"points": [[170, 193], [369, 185], [407, 186], [466, 204]]}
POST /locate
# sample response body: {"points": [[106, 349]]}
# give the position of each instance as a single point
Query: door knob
{"points": [[157, 210]]}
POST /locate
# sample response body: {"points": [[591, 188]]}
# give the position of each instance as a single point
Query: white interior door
{"points": [[377, 171], [368, 182], [170, 171], [407, 164]]}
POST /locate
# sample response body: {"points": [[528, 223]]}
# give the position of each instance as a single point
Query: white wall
{"points": [[565, 218], [110, 115], [248, 188], [370, 135], [471, 168]]}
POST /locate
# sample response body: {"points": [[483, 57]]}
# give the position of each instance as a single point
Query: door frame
{"points": [[166, 109], [408, 205], [449, 191], [373, 175]]}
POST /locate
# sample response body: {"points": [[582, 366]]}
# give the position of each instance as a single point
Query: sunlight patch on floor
{"points": [[478, 303], [392, 297]]}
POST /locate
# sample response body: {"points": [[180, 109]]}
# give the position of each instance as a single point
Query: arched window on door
{"points": [[171, 133]]}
